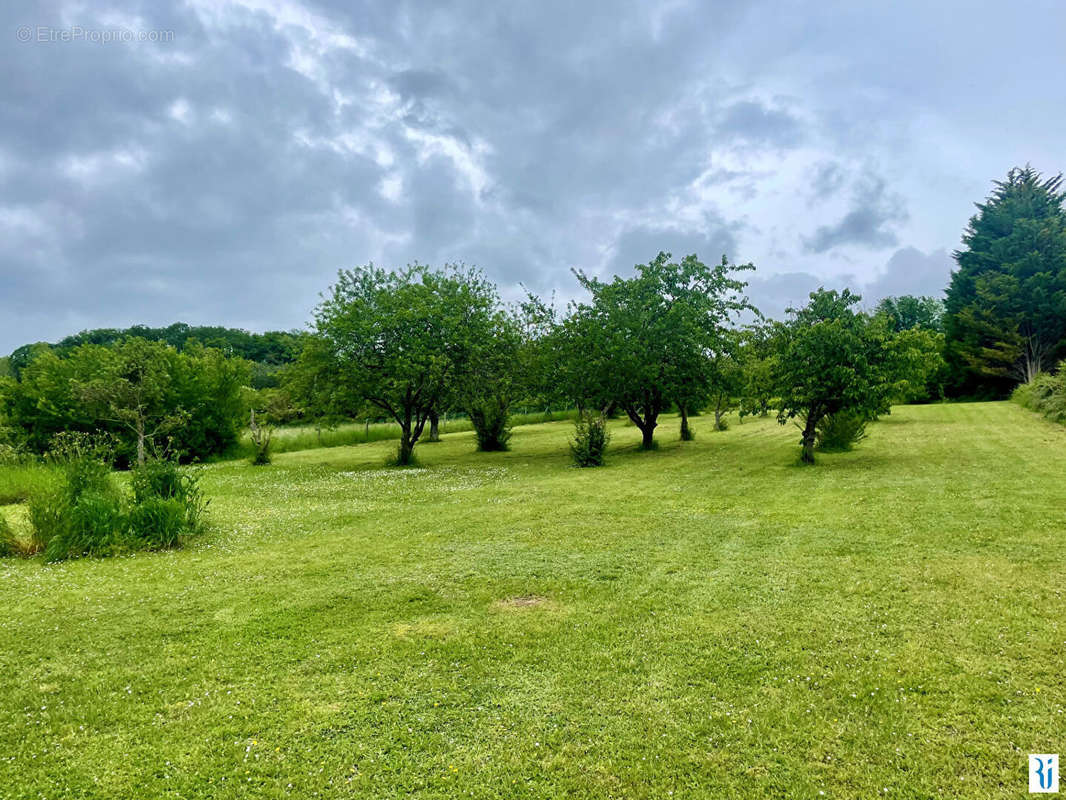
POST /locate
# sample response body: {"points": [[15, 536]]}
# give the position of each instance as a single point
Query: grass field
{"points": [[706, 620], [290, 438]]}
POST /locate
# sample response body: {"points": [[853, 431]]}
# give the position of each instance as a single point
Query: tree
{"points": [[831, 358], [645, 341], [908, 312], [917, 325], [758, 364], [400, 341], [492, 382], [726, 379], [140, 391], [134, 390], [1006, 304]]}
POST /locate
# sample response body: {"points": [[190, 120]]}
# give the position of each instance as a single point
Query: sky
{"points": [[217, 162]]}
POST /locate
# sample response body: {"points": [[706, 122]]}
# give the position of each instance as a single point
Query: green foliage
{"points": [[399, 341], [591, 437], [19, 481], [907, 312], [146, 394], [79, 515], [84, 513], [645, 341], [492, 380], [158, 523], [839, 432], [490, 420], [1045, 394], [831, 359], [92, 524], [917, 365], [757, 357], [260, 435], [1006, 304], [163, 479], [270, 349]]}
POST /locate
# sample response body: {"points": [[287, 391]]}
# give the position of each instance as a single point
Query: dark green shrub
{"points": [[261, 456], [841, 431], [1046, 394], [156, 523], [590, 440], [156, 478], [86, 475], [69, 446], [491, 426]]}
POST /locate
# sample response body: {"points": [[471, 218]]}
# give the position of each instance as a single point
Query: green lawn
{"points": [[707, 620]]}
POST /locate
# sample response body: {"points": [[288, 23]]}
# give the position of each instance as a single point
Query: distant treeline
{"points": [[267, 351]]}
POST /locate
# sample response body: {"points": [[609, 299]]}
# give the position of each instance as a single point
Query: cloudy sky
{"points": [[219, 164]]}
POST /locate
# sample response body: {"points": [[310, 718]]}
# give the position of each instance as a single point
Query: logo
{"points": [[1043, 773]]}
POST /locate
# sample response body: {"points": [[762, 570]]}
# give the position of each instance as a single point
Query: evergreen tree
{"points": [[1006, 305]]}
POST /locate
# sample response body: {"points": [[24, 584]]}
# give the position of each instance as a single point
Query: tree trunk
{"points": [[647, 425], [686, 432], [405, 455], [719, 412], [647, 440], [140, 443], [434, 427], [807, 456]]}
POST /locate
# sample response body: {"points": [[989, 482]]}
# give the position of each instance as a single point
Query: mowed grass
{"points": [[706, 620]]}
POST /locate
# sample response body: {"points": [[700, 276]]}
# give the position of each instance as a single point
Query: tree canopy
{"points": [[831, 358], [1006, 304], [646, 341], [146, 394], [401, 341]]}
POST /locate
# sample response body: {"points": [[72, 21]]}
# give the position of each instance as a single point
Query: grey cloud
{"points": [[754, 122], [869, 223], [910, 271], [224, 177], [774, 294], [827, 178], [641, 245]]}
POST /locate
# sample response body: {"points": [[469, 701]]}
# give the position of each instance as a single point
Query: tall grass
{"points": [[307, 437], [19, 481]]}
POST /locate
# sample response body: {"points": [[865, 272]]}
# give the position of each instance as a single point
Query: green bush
{"points": [[162, 479], [84, 513], [262, 456], [94, 525], [156, 523], [1046, 394], [841, 431], [491, 426], [590, 441], [48, 511]]}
